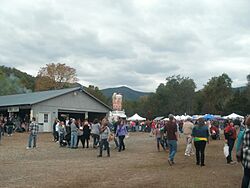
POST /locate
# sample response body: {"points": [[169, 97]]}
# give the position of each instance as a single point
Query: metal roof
{"points": [[32, 98], [37, 97]]}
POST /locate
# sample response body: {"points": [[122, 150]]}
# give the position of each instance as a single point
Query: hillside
{"points": [[13, 81], [239, 89], [128, 94]]}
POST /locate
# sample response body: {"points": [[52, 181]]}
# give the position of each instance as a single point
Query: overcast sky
{"points": [[136, 43]]}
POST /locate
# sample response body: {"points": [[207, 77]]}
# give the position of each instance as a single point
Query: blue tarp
{"points": [[208, 117]]}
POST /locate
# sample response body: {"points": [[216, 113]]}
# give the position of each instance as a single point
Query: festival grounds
{"points": [[140, 165]]}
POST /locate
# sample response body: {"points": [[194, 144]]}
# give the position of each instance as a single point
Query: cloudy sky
{"points": [[136, 43]]}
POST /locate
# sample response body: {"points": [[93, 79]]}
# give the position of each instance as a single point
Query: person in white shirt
{"points": [[187, 131]]}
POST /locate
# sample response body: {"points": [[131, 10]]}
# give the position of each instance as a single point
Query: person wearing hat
{"points": [[172, 135]]}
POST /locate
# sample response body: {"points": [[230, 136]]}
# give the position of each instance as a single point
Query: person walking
{"points": [[172, 135], [95, 132], [246, 155], [159, 137], [104, 135], [115, 125], [80, 134], [187, 131], [86, 133], [230, 137], [121, 132], [33, 129], [10, 126], [62, 132], [73, 140], [200, 134]]}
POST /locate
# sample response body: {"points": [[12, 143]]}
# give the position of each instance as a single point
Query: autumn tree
{"points": [[55, 76]]}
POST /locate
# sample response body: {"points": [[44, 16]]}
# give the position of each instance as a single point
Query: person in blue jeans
{"points": [[33, 128], [121, 132], [104, 137], [172, 135], [74, 136]]}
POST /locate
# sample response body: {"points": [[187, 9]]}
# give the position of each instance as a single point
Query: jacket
{"points": [[246, 149]]}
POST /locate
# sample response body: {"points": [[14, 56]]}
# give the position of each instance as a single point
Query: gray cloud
{"points": [[126, 42]]}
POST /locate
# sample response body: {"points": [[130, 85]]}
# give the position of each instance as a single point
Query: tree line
{"points": [[177, 95]]}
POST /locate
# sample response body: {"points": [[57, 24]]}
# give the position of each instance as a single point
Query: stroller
{"points": [[65, 140], [215, 133]]}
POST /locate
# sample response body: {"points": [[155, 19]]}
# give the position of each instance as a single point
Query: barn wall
{"points": [[78, 101], [74, 101]]}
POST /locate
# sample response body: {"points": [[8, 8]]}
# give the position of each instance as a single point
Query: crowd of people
{"points": [[9, 125], [199, 132], [68, 133]]}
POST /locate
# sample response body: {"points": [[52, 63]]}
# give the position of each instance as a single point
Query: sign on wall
{"points": [[13, 109]]}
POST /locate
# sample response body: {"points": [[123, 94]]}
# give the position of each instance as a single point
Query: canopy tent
{"points": [[158, 118], [182, 117], [195, 117], [136, 117], [208, 117], [233, 116]]}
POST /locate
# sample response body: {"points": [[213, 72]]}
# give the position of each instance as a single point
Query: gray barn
{"points": [[48, 105]]}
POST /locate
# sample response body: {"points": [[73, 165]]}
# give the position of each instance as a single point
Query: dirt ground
{"points": [[140, 165]]}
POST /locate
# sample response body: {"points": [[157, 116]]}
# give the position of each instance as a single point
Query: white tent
{"points": [[158, 118], [182, 117], [233, 116], [136, 117], [177, 117]]}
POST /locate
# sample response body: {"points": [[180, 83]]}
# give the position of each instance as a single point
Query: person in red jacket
{"points": [[230, 137], [215, 133]]}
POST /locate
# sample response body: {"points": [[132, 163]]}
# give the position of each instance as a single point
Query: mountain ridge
{"points": [[127, 93]]}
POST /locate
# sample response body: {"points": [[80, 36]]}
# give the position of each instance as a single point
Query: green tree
{"points": [[216, 93], [239, 103], [93, 90], [176, 96], [11, 85], [248, 80], [25, 81]]}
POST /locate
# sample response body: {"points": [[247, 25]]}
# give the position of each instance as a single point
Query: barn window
{"points": [[46, 118]]}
